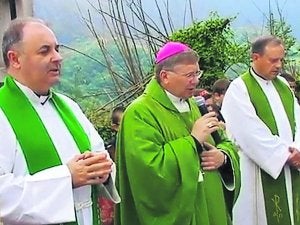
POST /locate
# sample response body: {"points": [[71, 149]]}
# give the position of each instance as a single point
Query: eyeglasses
{"points": [[191, 75]]}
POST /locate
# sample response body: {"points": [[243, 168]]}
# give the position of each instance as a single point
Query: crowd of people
{"points": [[233, 161]]}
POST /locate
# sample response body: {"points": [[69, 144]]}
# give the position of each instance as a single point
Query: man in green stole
{"points": [[164, 176], [262, 116], [50, 172]]}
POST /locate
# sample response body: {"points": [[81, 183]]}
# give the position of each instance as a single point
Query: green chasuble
{"points": [[275, 197], [16, 107], [158, 167]]}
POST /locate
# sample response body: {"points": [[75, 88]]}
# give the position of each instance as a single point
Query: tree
{"points": [[135, 38], [280, 28], [214, 41]]}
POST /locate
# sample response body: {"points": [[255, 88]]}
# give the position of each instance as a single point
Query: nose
{"points": [[195, 80], [56, 57], [279, 64]]}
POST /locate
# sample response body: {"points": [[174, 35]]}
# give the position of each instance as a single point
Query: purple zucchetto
{"points": [[170, 49]]}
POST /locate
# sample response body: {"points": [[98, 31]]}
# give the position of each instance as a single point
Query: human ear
{"points": [[13, 58], [255, 56], [163, 75]]}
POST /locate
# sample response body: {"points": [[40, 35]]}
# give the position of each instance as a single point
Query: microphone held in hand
{"points": [[200, 101], [220, 117]]}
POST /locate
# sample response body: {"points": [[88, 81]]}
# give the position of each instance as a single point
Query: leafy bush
{"points": [[214, 41]]}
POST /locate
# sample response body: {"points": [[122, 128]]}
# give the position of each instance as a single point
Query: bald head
{"points": [[31, 54], [14, 34]]}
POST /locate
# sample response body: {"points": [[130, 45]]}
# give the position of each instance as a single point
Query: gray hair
{"points": [[189, 56], [14, 34]]}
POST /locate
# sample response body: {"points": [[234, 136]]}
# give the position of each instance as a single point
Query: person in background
{"points": [[292, 83], [52, 161], [165, 176], [106, 204], [262, 117], [207, 97], [116, 118], [219, 89], [290, 79]]}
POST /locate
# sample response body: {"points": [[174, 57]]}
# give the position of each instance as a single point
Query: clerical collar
{"points": [[259, 77], [253, 71], [174, 98], [41, 99], [44, 98], [180, 104]]}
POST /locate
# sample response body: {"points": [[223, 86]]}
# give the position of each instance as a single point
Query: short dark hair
{"points": [[258, 46], [14, 34], [114, 115], [189, 56], [220, 86]]}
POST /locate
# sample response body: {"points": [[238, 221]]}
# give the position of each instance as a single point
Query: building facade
{"points": [[10, 9]]}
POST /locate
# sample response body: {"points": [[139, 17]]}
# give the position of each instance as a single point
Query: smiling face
{"points": [[35, 61], [269, 63]]}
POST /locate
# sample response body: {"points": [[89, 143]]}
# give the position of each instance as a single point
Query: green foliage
{"points": [[82, 76], [91, 85], [102, 123], [88, 81], [214, 41], [282, 30]]}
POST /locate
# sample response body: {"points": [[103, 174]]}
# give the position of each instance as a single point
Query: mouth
{"points": [[55, 70], [192, 88], [276, 71]]}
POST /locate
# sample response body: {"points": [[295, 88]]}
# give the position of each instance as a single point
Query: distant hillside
{"points": [[84, 77], [66, 20]]}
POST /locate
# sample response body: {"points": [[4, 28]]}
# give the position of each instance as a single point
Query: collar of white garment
{"points": [[258, 78], [32, 96], [180, 104]]}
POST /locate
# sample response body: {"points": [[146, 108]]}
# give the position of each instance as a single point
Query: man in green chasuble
{"points": [[169, 170], [263, 117]]}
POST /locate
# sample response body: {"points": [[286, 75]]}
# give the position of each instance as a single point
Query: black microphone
{"points": [[216, 108], [200, 101], [220, 116]]}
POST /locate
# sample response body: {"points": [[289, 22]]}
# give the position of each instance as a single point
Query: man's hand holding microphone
{"points": [[207, 125]]}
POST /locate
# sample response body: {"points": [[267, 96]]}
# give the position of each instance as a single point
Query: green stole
{"points": [[276, 203], [38, 149]]}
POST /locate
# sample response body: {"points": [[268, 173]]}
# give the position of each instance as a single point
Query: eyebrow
{"points": [[48, 46]]}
